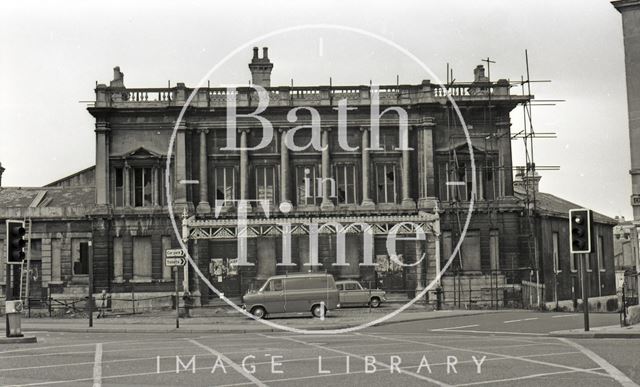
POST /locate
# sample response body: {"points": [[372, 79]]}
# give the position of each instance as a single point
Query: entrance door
{"points": [[35, 282]]}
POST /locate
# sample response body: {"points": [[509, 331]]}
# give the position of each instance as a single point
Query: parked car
{"points": [[293, 293], [352, 293]]}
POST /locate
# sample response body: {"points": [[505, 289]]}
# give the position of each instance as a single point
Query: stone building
{"points": [[380, 188], [630, 12], [335, 180], [61, 234], [559, 270]]}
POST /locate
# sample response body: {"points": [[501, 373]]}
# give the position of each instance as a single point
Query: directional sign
{"points": [[175, 261], [174, 253]]}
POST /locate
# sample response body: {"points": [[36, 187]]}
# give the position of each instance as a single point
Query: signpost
{"points": [[175, 258]]}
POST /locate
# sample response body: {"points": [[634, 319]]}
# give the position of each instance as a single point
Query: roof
{"points": [[82, 177], [549, 204], [22, 197]]}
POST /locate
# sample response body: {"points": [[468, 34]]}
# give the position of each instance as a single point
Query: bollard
{"points": [[439, 298]]}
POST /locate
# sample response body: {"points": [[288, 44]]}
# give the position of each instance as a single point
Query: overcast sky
{"points": [[52, 53]]}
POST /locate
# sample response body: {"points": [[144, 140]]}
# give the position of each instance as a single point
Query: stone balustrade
{"points": [[302, 95]]}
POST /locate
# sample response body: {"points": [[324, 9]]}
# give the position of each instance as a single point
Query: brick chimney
{"points": [[478, 74], [530, 179], [118, 78], [261, 68]]}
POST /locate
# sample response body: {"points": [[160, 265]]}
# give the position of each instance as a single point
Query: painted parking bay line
{"points": [[522, 319], [450, 328]]}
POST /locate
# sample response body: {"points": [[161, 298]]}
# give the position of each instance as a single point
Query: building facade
{"points": [[311, 198], [318, 177]]}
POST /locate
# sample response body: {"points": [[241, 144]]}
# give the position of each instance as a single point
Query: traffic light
{"points": [[580, 231], [15, 241]]}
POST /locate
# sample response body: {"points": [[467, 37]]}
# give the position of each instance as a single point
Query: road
{"points": [[507, 348]]}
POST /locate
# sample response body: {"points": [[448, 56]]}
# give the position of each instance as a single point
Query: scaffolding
{"points": [[457, 174]]}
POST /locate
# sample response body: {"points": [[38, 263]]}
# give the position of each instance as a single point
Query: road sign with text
{"points": [[174, 261], [174, 253]]}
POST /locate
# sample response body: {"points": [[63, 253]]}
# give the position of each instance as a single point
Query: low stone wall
{"points": [[596, 304], [143, 302]]}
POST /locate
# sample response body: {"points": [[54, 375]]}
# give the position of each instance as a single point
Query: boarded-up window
{"points": [[56, 270], [166, 270], [494, 249], [142, 258], [447, 246], [555, 241], [80, 256], [118, 268], [470, 251], [600, 253]]}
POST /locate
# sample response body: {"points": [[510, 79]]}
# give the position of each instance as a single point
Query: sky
{"points": [[53, 53]]}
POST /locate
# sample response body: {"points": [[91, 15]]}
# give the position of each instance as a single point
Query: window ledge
{"points": [[140, 281]]}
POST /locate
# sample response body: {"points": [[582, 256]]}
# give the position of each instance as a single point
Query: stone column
{"points": [[327, 182], [102, 163], [244, 169], [203, 206], [407, 200], [127, 184], [503, 129], [180, 193], [420, 266], [154, 183], [426, 172], [366, 199], [284, 168]]}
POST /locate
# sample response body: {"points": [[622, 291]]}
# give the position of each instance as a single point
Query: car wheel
{"points": [[259, 312], [316, 310], [375, 302]]}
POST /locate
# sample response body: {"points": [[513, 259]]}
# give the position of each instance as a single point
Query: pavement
{"points": [[606, 332], [230, 321], [505, 348]]}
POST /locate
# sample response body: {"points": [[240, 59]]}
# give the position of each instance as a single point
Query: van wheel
{"points": [[375, 302], [259, 312], [316, 310]]}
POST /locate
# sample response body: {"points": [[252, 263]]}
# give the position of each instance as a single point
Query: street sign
{"points": [[174, 253], [175, 261]]}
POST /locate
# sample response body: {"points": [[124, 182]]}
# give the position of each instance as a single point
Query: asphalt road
{"points": [[508, 348]]}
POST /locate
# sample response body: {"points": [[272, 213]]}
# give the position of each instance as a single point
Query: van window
{"points": [[339, 286], [275, 285], [316, 283], [296, 283]]}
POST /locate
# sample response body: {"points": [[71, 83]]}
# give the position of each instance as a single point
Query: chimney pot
{"points": [[265, 52]]}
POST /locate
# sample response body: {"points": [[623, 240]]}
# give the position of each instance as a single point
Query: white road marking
{"points": [[415, 375], [450, 328], [521, 377], [496, 332], [97, 366], [565, 315], [522, 319], [233, 365], [611, 370], [482, 352], [381, 370], [189, 182]]}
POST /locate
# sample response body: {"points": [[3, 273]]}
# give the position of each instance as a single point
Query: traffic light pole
{"points": [[585, 290]]}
